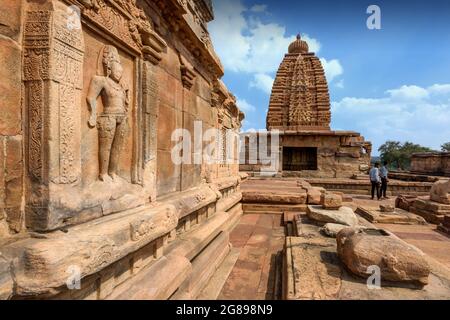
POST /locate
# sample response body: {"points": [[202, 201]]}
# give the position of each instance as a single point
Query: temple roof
{"points": [[300, 98]]}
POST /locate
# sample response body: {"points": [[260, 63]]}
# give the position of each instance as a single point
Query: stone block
{"points": [[387, 208], [343, 215], [330, 201], [10, 19], [10, 90]]}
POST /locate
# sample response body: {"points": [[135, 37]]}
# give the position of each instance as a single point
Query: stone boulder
{"points": [[398, 261], [344, 215], [330, 201], [440, 192]]}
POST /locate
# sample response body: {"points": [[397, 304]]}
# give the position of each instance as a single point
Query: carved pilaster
{"points": [[53, 58]]}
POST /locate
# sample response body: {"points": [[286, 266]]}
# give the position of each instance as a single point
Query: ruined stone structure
{"points": [[300, 110], [431, 163], [91, 93]]}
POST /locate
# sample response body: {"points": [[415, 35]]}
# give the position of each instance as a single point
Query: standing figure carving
{"points": [[112, 123]]}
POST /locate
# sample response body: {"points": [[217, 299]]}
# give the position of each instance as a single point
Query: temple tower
{"points": [[300, 99]]}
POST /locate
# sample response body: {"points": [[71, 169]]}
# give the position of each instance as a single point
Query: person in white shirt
{"points": [[384, 179], [375, 180]]}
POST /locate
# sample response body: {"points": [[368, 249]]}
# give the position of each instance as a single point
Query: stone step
{"points": [[217, 281]]}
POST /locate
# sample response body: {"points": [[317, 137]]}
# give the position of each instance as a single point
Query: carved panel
{"points": [[53, 52], [37, 32], [150, 109]]}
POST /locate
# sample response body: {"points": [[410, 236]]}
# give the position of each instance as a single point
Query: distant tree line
{"points": [[398, 155], [446, 147]]}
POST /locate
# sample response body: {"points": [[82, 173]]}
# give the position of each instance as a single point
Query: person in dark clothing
{"points": [[384, 179], [375, 180]]}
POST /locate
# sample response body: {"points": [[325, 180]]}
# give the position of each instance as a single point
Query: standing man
{"points": [[375, 180], [384, 179]]}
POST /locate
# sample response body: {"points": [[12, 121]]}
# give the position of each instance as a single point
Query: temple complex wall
{"points": [[431, 163], [334, 155], [91, 201]]}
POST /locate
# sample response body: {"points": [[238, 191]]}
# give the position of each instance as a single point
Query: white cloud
{"points": [[250, 45], [408, 113], [439, 89], [263, 82], [313, 44], [333, 68], [408, 93], [259, 8], [245, 106]]}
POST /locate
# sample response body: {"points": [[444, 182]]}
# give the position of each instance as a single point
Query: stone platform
{"points": [[431, 211], [362, 187], [398, 216]]}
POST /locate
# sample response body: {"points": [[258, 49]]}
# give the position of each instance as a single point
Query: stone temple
{"points": [[300, 109], [100, 102]]}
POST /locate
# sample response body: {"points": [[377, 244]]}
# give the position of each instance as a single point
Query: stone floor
{"points": [[259, 237]]}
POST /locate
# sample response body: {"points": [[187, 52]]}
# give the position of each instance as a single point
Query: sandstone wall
{"points": [[431, 163], [339, 154], [11, 131]]}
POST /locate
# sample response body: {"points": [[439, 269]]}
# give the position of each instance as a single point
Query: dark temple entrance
{"points": [[298, 159]]}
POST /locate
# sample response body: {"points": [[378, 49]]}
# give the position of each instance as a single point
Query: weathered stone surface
{"points": [[398, 216], [387, 208], [330, 201], [10, 90], [440, 192], [431, 163], [344, 215], [158, 282], [397, 260], [404, 201], [311, 269], [332, 229], [432, 211], [6, 281], [90, 248], [271, 197]]}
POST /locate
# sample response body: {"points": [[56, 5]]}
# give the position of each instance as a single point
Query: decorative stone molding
{"points": [[127, 23], [188, 74]]}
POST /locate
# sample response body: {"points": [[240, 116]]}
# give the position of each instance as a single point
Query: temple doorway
{"points": [[298, 159]]}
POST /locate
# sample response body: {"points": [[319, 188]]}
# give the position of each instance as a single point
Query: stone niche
{"points": [[91, 106]]}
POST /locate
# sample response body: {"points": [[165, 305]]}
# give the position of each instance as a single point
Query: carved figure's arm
{"points": [[95, 89]]}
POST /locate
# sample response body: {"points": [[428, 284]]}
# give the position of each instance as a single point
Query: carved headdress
{"points": [[110, 55]]}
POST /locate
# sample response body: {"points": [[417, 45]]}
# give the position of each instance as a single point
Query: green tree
{"points": [[446, 147], [398, 155], [390, 152]]}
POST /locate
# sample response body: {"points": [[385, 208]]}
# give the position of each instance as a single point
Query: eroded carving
{"points": [[440, 192], [112, 123]]}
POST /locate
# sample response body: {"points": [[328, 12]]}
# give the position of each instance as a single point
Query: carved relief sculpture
{"points": [[112, 123]]}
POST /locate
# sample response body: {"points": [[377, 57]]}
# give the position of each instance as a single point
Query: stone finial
{"points": [[298, 46]]}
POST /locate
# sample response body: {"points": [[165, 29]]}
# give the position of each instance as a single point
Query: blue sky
{"points": [[388, 84]]}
